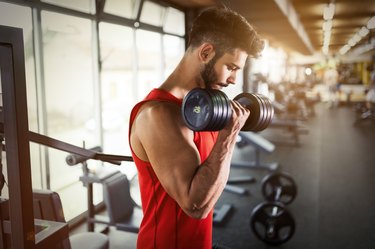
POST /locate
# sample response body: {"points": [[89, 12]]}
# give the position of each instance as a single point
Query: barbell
{"points": [[210, 110]]}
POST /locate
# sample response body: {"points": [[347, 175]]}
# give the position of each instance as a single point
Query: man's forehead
{"points": [[237, 57]]}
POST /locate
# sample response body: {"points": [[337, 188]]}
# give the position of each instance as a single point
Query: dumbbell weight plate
{"points": [[227, 109], [216, 111], [272, 223], [197, 109], [268, 112], [224, 110], [262, 113], [269, 108], [279, 180], [251, 102]]}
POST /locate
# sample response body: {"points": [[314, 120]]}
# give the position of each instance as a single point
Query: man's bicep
{"points": [[171, 152]]}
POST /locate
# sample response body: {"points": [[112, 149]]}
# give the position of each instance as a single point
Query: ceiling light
{"points": [[327, 25], [357, 38], [329, 11], [363, 31], [351, 42], [344, 49], [371, 23]]}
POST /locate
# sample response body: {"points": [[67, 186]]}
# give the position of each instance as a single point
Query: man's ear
{"points": [[206, 52]]}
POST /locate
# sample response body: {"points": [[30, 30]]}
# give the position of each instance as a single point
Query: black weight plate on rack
{"points": [[272, 223], [197, 109], [282, 182]]}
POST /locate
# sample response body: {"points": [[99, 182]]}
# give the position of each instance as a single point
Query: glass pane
{"points": [[150, 73], [124, 8], [152, 13], [87, 6], [174, 22], [69, 96], [24, 21], [174, 48], [118, 86]]}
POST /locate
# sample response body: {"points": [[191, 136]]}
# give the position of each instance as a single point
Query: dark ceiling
{"points": [[270, 21]]}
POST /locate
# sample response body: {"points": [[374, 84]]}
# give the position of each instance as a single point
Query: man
{"points": [[182, 173]]}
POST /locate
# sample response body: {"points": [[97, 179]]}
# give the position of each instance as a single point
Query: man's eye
{"points": [[231, 68]]}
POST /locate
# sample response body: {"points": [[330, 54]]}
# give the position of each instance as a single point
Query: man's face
{"points": [[220, 72]]}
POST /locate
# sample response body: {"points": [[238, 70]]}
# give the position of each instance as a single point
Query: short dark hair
{"points": [[226, 30]]}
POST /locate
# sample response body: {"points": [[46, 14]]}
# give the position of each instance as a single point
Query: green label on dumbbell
{"points": [[197, 109]]}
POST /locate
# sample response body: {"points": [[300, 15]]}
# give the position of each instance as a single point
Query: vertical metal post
{"points": [[13, 83]]}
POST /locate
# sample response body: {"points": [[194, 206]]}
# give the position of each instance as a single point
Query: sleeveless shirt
{"points": [[164, 224]]}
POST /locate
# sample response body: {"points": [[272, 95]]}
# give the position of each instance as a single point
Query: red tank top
{"points": [[165, 225]]}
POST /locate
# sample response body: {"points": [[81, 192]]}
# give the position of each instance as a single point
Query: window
{"points": [[87, 6], [118, 85], [69, 93], [174, 22], [123, 8], [174, 48], [150, 67], [152, 13]]}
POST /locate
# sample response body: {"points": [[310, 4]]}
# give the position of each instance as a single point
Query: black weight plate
{"points": [[197, 109], [280, 187], [220, 108], [215, 114], [264, 107], [227, 109], [270, 112], [264, 123], [249, 101], [224, 110], [262, 113], [272, 223]]}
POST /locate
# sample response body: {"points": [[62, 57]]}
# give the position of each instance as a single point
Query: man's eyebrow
{"points": [[234, 65]]}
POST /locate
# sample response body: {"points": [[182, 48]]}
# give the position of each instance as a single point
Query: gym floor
{"points": [[334, 169]]}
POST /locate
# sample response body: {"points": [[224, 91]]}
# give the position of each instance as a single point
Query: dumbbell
{"points": [[270, 221], [210, 110]]}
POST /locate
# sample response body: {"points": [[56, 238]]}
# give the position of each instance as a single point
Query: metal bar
{"points": [[13, 81], [89, 154], [60, 145]]}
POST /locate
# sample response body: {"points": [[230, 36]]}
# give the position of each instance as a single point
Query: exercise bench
{"points": [[261, 145]]}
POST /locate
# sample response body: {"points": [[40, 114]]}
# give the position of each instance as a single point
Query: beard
{"points": [[208, 74]]}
